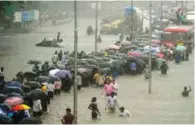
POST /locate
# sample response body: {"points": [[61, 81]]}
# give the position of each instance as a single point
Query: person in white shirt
{"points": [[37, 108], [112, 103], [124, 112], [79, 81], [50, 90]]}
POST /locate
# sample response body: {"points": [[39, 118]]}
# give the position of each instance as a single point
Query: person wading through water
{"points": [[186, 92], [68, 118], [94, 108]]}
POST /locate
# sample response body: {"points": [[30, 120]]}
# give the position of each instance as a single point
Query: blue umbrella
{"points": [[13, 83], [129, 10]]}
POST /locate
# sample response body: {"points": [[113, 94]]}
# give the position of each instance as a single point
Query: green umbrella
{"points": [[180, 48]]}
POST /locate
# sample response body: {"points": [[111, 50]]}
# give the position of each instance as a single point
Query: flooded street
{"points": [[164, 106]]}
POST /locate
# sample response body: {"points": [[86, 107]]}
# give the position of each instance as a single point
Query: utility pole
{"points": [[150, 53], [161, 16], [182, 4], [96, 25], [131, 34], [75, 61]]}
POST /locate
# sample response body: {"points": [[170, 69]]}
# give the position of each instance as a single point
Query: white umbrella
{"points": [[53, 72]]}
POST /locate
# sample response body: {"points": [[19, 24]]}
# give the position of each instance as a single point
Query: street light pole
{"points": [[96, 24], [161, 16], [131, 35], [75, 60], [150, 53]]}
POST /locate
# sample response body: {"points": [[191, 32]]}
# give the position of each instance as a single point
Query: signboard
{"points": [[26, 16], [17, 17]]}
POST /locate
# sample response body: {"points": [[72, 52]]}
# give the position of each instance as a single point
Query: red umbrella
{"points": [[13, 101], [134, 53], [160, 55]]}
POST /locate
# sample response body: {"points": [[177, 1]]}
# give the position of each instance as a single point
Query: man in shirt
{"points": [[68, 118]]}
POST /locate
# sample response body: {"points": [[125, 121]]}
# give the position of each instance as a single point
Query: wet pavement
{"points": [[164, 105]]}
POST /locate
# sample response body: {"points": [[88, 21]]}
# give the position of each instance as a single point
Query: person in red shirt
{"points": [[68, 118]]}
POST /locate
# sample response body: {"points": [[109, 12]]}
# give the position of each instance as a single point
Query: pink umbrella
{"points": [[13, 101], [114, 47], [160, 55], [156, 41], [134, 53]]}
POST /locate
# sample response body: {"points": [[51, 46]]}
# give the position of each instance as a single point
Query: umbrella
{"points": [[18, 90], [82, 70], [20, 107], [180, 48], [29, 75], [2, 98], [30, 120], [160, 55], [32, 62], [156, 41], [4, 119], [37, 94], [147, 47], [114, 47], [12, 101], [33, 85], [14, 95], [53, 72], [42, 79], [63, 73], [126, 43], [134, 53], [53, 79], [13, 83]]}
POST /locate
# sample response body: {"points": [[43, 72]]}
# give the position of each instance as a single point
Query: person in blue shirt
{"points": [[133, 68]]}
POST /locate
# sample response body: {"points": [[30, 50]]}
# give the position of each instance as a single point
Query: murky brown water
{"points": [[164, 105]]}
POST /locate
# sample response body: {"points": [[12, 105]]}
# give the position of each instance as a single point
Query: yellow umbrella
{"points": [[20, 107]]}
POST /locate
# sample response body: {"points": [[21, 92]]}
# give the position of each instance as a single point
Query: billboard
{"points": [[32, 15]]}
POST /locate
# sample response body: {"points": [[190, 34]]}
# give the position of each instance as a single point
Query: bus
{"points": [[175, 34]]}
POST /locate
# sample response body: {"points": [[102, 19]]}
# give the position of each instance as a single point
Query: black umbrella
{"points": [[17, 90], [30, 121], [14, 95], [5, 119], [26, 88], [42, 79], [37, 94], [2, 98], [54, 78], [29, 75], [33, 62], [33, 85]]}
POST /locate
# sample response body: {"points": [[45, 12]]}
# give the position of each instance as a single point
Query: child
{"points": [[123, 112], [37, 108], [112, 103], [94, 108]]}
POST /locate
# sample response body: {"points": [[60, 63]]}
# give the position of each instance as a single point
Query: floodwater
{"points": [[164, 105]]}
